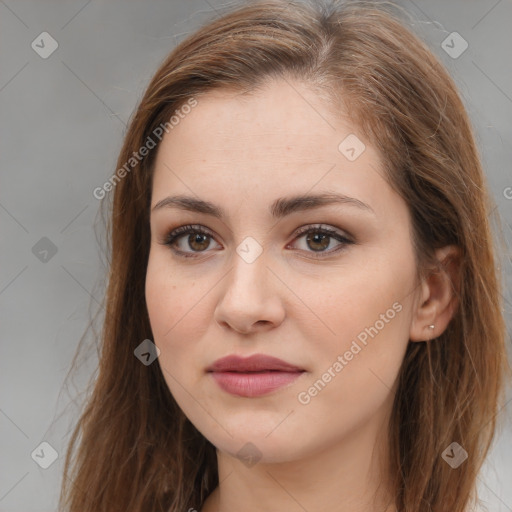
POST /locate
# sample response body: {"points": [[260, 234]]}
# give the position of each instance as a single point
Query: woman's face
{"points": [[337, 306]]}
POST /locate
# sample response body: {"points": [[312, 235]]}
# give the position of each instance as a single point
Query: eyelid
{"points": [[321, 227]]}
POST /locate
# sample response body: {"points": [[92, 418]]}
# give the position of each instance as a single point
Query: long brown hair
{"points": [[133, 448]]}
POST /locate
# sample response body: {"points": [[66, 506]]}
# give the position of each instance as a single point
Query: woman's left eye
{"points": [[319, 238], [316, 237]]}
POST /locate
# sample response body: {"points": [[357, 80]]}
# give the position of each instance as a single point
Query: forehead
{"points": [[278, 141], [280, 116]]}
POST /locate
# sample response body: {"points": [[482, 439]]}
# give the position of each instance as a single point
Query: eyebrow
{"points": [[280, 207]]}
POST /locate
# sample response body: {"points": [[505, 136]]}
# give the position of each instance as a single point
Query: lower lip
{"points": [[253, 384]]}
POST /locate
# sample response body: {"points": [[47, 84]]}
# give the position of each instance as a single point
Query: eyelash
{"points": [[171, 237]]}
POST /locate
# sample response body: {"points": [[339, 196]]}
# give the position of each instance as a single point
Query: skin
{"points": [[242, 153]]}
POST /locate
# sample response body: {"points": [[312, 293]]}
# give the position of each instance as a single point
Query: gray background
{"points": [[62, 122]]}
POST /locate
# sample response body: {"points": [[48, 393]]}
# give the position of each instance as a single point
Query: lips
{"points": [[253, 376], [254, 363]]}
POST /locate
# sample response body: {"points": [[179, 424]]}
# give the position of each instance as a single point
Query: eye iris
{"points": [[315, 239], [201, 239]]}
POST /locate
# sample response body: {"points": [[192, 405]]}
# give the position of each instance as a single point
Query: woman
{"points": [[303, 310]]}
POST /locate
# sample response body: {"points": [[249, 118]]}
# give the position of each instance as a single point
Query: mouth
{"points": [[254, 376]]}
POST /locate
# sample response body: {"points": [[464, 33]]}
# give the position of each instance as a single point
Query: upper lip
{"points": [[254, 363]]}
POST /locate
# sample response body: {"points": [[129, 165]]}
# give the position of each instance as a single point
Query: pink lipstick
{"points": [[253, 376]]}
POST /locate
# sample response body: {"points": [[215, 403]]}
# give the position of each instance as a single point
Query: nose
{"points": [[250, 298]]}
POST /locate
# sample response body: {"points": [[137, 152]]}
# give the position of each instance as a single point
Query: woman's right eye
{"points": [[198, 239]]}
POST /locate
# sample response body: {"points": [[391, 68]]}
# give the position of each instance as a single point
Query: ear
{"points": [[438, 296]]}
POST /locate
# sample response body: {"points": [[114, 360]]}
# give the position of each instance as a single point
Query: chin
{"points": [[256, 445]]}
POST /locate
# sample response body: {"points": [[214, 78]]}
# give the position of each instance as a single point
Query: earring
{"points": [[431, 327]]}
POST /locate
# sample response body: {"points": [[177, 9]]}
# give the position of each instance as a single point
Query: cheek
{"points": [[177, 309], [177, 317], [165, 313], [343, 305], [365, 318], [171, 300], [355, 371]]}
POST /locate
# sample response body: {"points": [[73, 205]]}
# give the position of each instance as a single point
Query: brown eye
{"points": [[201, 240], [318, 239], [198, 240]]}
